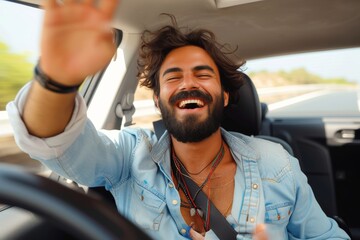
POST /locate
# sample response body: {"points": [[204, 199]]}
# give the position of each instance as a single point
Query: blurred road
{"points": [[333, 102]]}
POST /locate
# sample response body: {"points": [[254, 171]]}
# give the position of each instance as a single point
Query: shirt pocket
{"points": [[147, 209], [278, 214]]}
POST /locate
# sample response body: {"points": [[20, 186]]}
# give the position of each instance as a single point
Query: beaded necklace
{"points": [[180, 172]]}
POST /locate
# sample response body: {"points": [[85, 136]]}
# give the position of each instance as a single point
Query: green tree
{"points": [[15, 71]]}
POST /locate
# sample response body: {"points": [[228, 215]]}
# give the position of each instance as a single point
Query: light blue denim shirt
{"points": [[135, 167]]}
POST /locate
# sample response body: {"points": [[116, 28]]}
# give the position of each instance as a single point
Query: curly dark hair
{"points": [[156, 45]]}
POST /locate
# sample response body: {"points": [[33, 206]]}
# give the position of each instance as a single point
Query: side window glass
{"points": [[146, 112], [315, 84], [19, 49]]}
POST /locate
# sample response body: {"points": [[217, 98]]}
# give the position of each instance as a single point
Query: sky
{"points": [[20, 21], [338, 63]]}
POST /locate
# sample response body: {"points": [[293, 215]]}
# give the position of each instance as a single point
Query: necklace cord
{"points": [[181, 172]]}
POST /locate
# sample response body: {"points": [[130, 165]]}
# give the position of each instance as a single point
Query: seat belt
{"points": [[218, 222], [159, 128]]}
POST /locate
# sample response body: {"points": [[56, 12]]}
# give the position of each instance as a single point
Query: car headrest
{"points": [[244, 113]]}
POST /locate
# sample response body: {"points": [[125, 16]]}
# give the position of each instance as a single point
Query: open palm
{"points": [[74, 34]]}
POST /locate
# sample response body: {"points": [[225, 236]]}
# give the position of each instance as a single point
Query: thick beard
{"points": [[190, 129]]}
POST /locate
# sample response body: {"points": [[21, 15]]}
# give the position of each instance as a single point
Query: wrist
{"points": [[46, 82]]}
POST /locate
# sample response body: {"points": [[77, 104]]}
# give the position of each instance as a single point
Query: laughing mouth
{"points": [[191, 104]]}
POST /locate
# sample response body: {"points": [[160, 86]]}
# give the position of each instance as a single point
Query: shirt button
{"points": [[174, 202], [255, 186], [252, 220], [183, 231], [171, 185]]}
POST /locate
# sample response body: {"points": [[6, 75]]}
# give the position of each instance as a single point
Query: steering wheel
{"points": [[83, 216]]}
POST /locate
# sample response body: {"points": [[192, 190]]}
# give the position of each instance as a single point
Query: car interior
{"points": [[327, 145]]}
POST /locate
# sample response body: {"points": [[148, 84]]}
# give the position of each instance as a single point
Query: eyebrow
{"points": [[169, 70], [197, 68], [203, 67]]}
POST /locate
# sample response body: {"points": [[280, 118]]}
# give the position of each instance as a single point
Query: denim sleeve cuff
{"points": [[44, 148]]}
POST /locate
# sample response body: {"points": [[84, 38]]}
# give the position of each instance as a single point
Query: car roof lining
{"points": [[265, 28], [258, 29]]}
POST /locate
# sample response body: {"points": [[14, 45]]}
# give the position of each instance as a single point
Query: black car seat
{"points": [[245, 114]]}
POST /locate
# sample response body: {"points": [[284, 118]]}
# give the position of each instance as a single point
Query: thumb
{"points": [[195, 235]]}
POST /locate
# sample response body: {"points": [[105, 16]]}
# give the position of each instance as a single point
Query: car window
{"points": [[316, 84], [19, 50], [145, 111]]}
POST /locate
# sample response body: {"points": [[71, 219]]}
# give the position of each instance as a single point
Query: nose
{"points": [[189, 82]]}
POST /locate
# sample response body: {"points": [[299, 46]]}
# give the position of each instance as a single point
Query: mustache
{"points": [[206, 98]]}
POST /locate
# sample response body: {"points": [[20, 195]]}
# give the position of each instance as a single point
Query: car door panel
{"points": [[328, 150]]}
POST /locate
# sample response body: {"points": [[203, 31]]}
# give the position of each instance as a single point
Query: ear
{"points": [[226, 98], [156, 101]]}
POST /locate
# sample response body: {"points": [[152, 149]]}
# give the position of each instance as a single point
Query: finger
{"points": [[195, 235], [108, 7], [260, 232], [49, 4], [260, 228]]}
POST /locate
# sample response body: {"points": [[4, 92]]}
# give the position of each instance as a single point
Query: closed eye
{"points": [[204, 76], [172, 78]]}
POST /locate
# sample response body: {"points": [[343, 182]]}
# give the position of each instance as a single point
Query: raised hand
{"points": [[77, 39]]}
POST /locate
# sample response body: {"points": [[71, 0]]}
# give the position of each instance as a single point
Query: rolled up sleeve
{"points": [[44, 148]]}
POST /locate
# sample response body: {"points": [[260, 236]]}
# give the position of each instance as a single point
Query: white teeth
{"points": [[196, 101]]}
